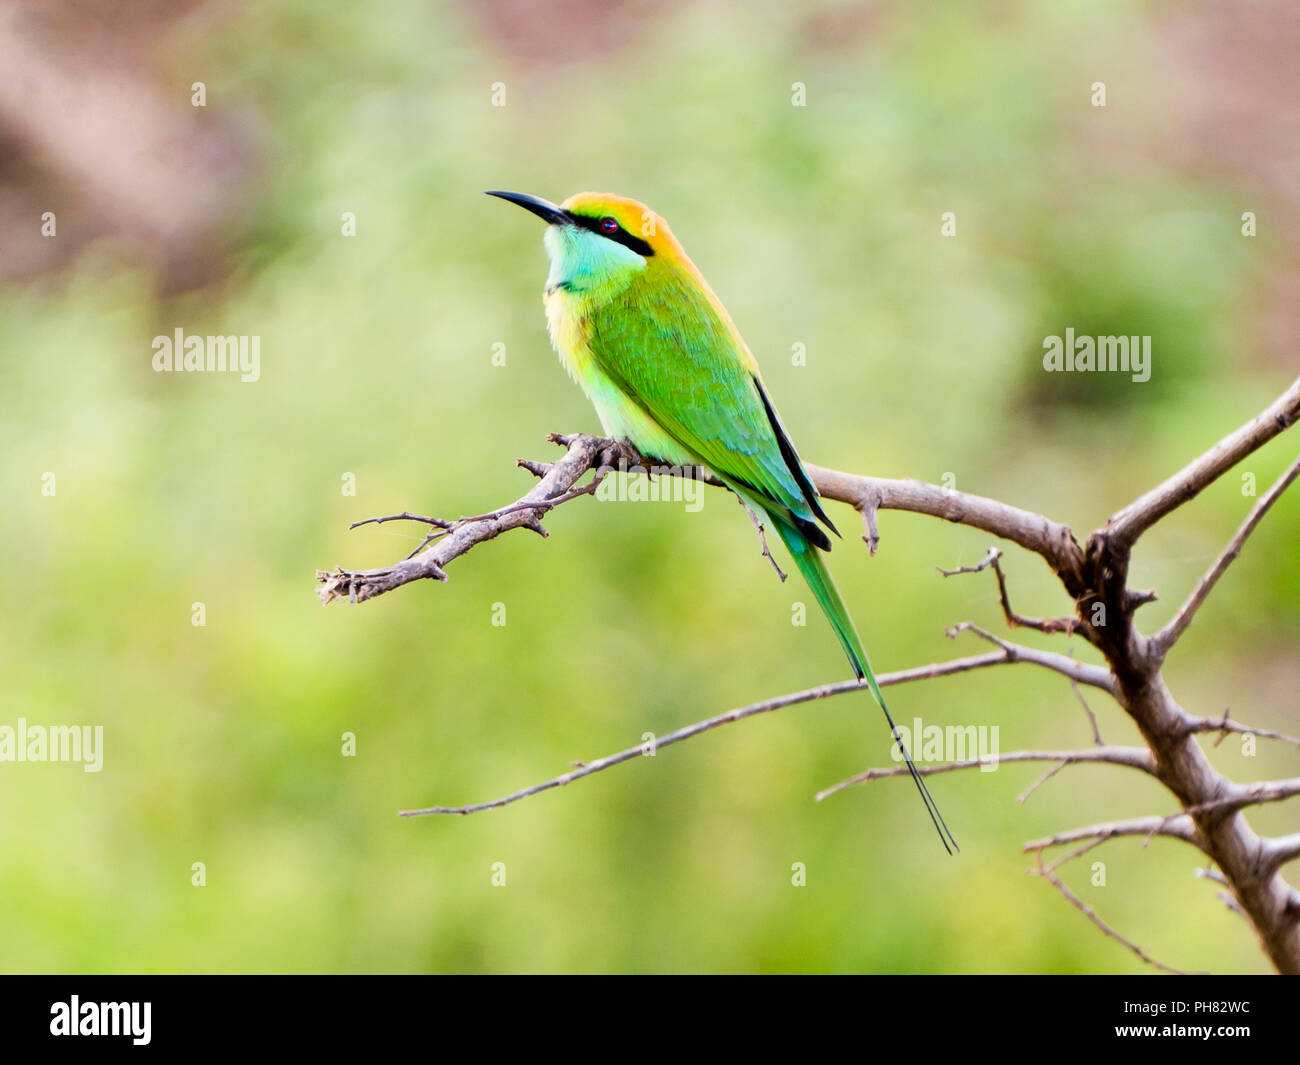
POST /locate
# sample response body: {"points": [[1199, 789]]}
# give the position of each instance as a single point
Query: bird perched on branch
{"points": [[639, 329]]}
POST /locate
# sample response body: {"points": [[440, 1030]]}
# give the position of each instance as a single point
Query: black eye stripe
{"points": [[619, 236]]}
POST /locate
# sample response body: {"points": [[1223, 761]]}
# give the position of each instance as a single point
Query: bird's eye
{"points": [[609, 225]]}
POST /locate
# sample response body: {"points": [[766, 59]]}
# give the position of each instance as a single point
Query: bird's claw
{"points": [[619, 455]]}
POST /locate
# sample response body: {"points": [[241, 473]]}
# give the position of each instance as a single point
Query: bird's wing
{"points": [[681, 360]]}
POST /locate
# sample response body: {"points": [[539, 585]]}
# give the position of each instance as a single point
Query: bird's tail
{"points": [[809, 560]]}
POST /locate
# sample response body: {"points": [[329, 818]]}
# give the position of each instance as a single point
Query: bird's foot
{"points": [[619, 455]]}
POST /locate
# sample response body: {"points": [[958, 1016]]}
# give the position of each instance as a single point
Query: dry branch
{"points": [[555, 486], [1078, 672], [1126, 526], [1048, 874], [1069, 626], [1129, 757], [1223, 726], [767, 706], [1168, 636], [1175, 826], [1095, 578]]}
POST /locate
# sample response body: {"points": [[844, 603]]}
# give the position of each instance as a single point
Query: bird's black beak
{"points": [[544, 209]]}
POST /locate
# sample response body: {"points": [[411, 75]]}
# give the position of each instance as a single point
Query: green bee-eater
{"points": [[639, 329]]}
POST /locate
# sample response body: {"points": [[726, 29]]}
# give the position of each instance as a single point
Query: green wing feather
{"points": [[683, 363]]}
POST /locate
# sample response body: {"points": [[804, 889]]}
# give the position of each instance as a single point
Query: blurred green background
{"points": [[817, 225]]}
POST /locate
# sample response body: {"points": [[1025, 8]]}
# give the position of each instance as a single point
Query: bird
{"points": [[641, 332]]}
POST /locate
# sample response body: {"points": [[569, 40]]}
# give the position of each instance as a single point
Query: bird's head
{"points": [[598, 240]]}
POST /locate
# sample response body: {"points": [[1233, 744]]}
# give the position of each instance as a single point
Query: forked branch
{"points": [[1094, 578], [1168, 636]]}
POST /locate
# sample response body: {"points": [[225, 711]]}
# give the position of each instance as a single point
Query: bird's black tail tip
{"points": [[931, 807]]}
